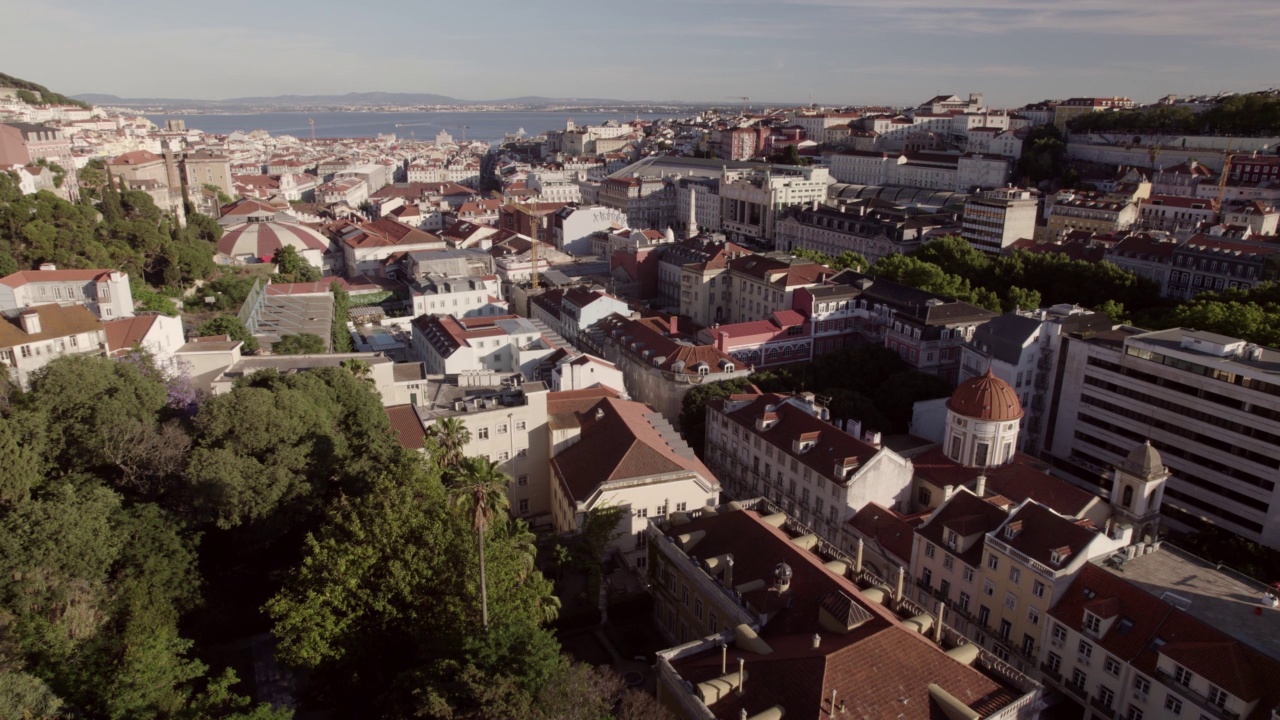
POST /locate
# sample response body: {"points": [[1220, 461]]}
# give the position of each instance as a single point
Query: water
{"points": [[486, 126]]}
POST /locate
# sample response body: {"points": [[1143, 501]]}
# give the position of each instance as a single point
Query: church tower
{"points": [[983, 415], [1137, 490]]}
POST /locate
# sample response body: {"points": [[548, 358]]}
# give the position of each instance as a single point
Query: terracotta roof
{"points": [[886, 528], [880, 669], [56, 321], [986, 398], [1042, 531], [620, 441], [124, 333], [1146, 627], [407, 427], [136, 157], [23, 277], [651, 335], [832, 446], [1021, 479], [575, 401], [965, 514]]}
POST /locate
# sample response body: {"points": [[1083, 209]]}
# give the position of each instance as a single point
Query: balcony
{"points": [[1102, 709], [1196, 698], [1050, 673], [1077, 690]]}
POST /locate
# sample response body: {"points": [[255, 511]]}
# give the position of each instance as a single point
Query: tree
{"points": [[230, 326], [358, 368], [290, 266], [481, 491], [1019, 299], [450, 436], [693, 411], [300, 344], [382, 607], [341, 310]]}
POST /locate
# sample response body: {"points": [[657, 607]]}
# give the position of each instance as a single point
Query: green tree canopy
{"points": [[230, 326], [300, 344]]}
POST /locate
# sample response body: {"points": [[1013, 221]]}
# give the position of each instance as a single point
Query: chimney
{"points": [[981, 488], [30, 320], [673, 326], [728, 572], [722, 341], [817, 641], [48, 266], [782, 577], [599, 413]]}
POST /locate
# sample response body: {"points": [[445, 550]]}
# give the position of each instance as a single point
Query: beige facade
{"points": [[41, 334]]}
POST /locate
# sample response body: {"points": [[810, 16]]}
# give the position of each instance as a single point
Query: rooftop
{"points": [[1213, 594]]}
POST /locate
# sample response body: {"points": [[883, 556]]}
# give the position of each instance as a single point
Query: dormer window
{"points": [[953, 539], [1059, 556], [1092, 624], [1012, 529]]}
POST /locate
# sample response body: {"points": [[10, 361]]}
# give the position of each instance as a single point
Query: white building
{"points": [[159, 335], [620, 453], [582, 372], [502, 344], [996, 219], [572, 227], [786, 449], [571, 312], [554, 187], [1207, 402], [473, 296], [40, 334], [105, 293]]}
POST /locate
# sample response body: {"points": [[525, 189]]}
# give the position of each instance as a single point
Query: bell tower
{"points": [[1137, 490]]}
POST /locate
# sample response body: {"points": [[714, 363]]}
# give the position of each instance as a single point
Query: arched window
{"points": [[1128, 496]]}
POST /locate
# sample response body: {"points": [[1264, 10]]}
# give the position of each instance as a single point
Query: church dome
{"points": [[986, 398]]}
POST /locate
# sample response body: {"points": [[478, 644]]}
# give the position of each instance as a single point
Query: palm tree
{"points": [[360, 368], [481, 488], [451, 436]]}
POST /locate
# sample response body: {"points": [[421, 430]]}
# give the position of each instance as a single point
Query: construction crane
{"points": [[312, 122], [744, 100], [464, 129]]}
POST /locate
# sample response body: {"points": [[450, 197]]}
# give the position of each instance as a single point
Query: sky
{"points": [[831, 52]]}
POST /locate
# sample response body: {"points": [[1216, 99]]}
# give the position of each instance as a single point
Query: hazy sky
{"points": [[833, 51]]}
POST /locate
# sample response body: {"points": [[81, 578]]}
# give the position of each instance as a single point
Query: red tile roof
{"points": [[23, 277], [886, 528], [619, 441], [1019, 480], [124, 333], [575, 401], [407, 427]]}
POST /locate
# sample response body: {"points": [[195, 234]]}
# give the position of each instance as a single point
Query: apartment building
{"points": [[1123, 652], [1175, 213], [702, 289], [507, 423], [25, 143], [751, 203], [104, 292], [1145, 255], [995, 219], [1071, 211], [765, 284], [868, 229], [768, 621], [39, 334], [619, 453], [1207, 402], [782, 338], [785, 448], [503, 344], [1205, 263], [660, 364], [571, 312], [1022, 349], [459, 296], [368, 247]]}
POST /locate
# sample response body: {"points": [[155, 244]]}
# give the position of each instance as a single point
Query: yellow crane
{"points": [[744, 100], [1226, 168]]}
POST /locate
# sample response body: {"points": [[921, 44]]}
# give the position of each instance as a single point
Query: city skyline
{"points": [[794, 51]]}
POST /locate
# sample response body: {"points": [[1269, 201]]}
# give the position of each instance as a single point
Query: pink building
{"points": [[24, 143], [784, 337]]}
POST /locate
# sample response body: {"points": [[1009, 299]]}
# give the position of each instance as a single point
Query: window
{"points": [[1054, 661], [504, 455], [522, 480], [928, 550], [993, 562], [1217, 696], [953, 539], [1078, 678], [922, 496], [502, 428], [1011, 601], [1005, 628], [1173, 704], [1111, 666], [712, 623], [1141, 686], [926, 577], [1092, 623], [482, 433], [697, 608], [968, 574], [684, 594], [1106, 696], [1037, 588], [948, 562], [988, 588], [1014, 575], [524, 507], [963, 602], [1182, 676], [642, 512], [1033, 615], [520, 425], [1134, 713], [1085, 652], [522, 452], [945, 589]]}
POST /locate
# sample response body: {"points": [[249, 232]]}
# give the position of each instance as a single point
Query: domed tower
{"points": [[1137, 490], [982, 422]]}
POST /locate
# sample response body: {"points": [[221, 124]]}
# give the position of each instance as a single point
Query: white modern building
{"points": [[995, 219]]}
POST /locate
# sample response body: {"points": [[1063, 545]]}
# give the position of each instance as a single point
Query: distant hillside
{"points": [[36, 94], [363, 98]]}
